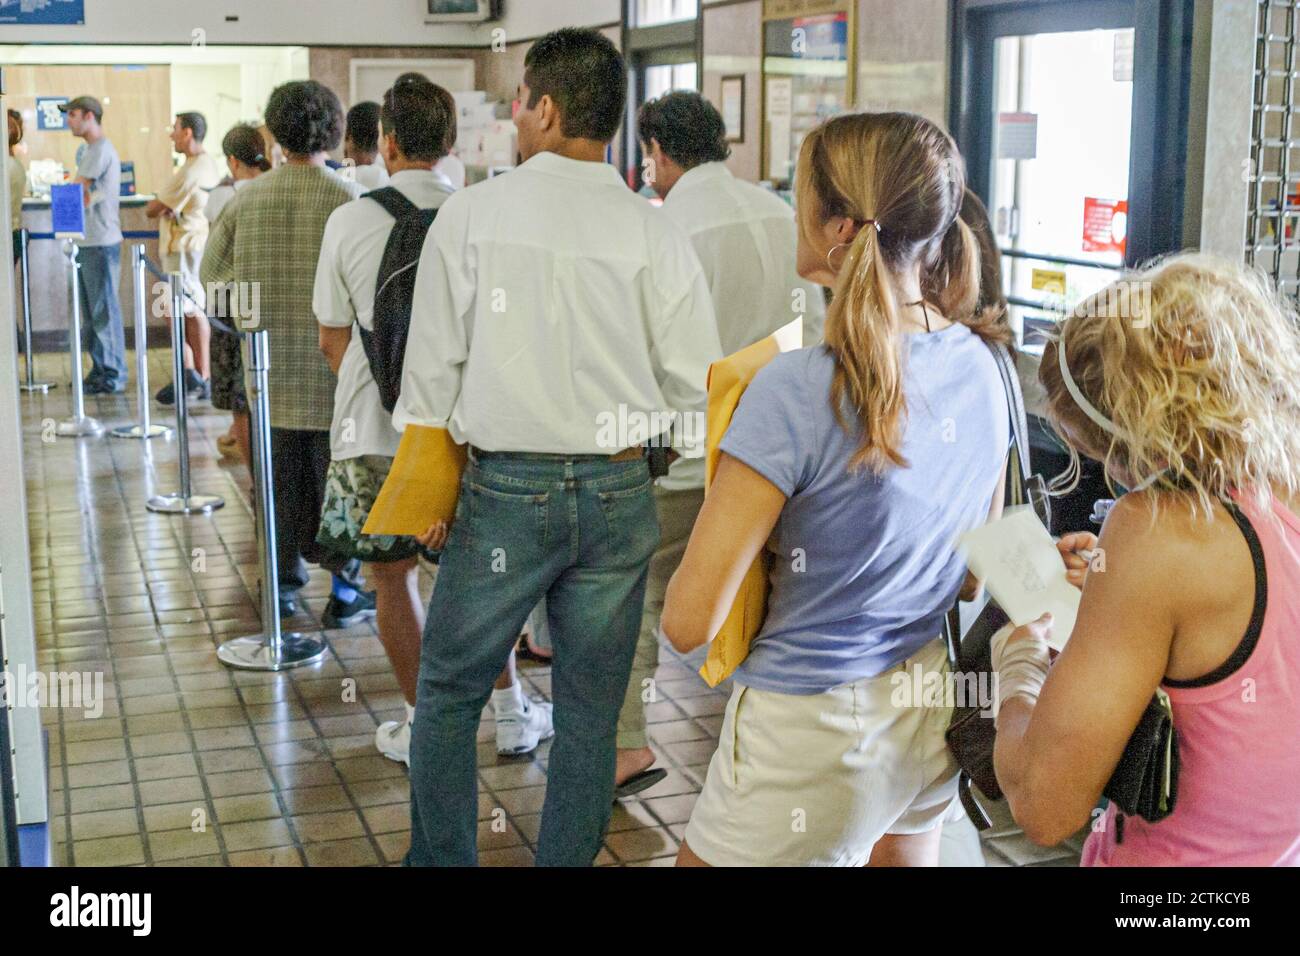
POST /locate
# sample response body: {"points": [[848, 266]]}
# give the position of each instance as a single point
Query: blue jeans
{"points": [[101, 316], [578, 532]]}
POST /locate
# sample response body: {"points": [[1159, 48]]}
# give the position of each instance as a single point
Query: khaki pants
{"points": [[677, 512]]}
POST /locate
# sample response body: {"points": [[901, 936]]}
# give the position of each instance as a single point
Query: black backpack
{"points": [[385, 345]]}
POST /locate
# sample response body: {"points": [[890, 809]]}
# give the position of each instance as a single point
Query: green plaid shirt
{"points": [[270, 234]]}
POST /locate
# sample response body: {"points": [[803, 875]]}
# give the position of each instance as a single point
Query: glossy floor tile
{"points": [[186, 762]]}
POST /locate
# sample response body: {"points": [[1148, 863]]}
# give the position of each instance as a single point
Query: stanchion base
{"points": [[36, 386], [79, 428], [135, 431], [255, 653], [178, 505]]}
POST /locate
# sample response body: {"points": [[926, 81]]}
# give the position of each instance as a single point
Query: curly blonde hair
{"points": [[1195, 361]]}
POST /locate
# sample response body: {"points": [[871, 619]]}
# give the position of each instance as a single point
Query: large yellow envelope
{"points": [[728, 380], [422, 486]]}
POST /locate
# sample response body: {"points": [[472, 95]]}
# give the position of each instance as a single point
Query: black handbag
{"points": [[1145, 781]]}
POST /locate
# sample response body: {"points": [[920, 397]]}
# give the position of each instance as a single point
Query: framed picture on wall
{"points": [[733, 107]]}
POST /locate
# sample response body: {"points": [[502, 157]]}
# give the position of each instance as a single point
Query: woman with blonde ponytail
{"points": [[856, 464]]}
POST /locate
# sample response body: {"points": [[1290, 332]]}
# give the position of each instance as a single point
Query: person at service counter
{"points": [[857, 463], [100, 253], [182, 231], [547, 300], [1180, 379], [744, 237], [268, 240]]}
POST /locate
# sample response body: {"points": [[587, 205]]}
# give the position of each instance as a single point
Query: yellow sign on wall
{"points": [[1049, 280]]}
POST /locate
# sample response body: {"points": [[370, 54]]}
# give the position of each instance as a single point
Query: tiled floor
{"points": [[192, 763]]}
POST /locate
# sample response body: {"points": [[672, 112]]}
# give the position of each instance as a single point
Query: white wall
{"points": [[305, 22], [533, 18]]}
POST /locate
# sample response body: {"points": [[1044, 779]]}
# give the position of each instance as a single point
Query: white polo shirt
{"points": [[344, 295], [549, 302], [745, 239]]}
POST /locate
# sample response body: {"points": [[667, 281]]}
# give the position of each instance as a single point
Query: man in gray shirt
{"points": [[100, 173]]}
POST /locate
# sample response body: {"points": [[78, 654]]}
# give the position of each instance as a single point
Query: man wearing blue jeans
{"points": [[559, 323], [100, 253]]}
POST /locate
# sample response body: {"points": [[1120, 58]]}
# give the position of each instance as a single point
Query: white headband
{"points": [[1086, 406]]}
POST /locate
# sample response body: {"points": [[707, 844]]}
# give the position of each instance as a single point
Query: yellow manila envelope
{"points": [[422, 486], [728, 380]]}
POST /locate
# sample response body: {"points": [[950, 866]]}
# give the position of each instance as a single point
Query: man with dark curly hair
{"points": [[268, 241]]}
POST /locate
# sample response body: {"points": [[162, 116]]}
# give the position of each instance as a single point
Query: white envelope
{"points": [[1019, 564]]}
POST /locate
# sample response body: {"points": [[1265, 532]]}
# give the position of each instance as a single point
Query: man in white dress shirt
{"points": [[560, 321], [745, 239]]}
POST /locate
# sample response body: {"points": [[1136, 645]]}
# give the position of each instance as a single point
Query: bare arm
{"points": [[738, 516], [1053, 758], [333, 344]]}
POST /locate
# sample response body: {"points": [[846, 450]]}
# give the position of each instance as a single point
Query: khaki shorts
{"points": [[187, 264], [817, 780]]}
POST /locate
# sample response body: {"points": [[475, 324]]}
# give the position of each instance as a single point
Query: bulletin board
{"points": [[809, 75]]}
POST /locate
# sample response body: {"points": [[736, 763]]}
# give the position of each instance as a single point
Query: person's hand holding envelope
{"points": [[419, 495]]}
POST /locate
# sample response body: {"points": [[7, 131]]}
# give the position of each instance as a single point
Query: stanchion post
{"points": [[31, 385], [184, 502], [79, 425], [144, 429], [269, 650]]}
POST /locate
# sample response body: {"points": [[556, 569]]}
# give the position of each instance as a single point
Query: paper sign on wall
{"points": [[780, 105], [48, 114], [1105, 225], [1017, 136]]}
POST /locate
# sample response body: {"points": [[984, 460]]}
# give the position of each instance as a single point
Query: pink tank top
{"points": [[1238, 735]]}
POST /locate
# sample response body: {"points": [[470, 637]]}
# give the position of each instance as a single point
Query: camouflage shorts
{"points": [[351, 487]]}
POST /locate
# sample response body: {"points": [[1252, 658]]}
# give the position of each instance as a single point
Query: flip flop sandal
{"points": [[524, 651], [638, 782]]}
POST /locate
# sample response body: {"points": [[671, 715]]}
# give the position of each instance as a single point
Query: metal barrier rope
{"points": [[184, 501], [270, 650], [145, 429], [80, 425], [31, 385]]}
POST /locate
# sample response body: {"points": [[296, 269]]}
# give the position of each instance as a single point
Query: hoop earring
{"points": [[835, 270]]}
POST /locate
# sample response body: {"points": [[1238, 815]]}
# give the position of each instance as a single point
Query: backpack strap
{"points": [[393, 201]]}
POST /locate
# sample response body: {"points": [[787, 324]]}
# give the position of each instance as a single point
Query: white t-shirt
{"points": [[344, 295], [745, 239], [556, 311], [218, 196], [373, 176]]}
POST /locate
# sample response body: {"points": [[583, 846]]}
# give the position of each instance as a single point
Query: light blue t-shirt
{"points": [[863, 565]]}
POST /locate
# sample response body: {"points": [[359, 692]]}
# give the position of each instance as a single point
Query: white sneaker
{"points": [[393, 738], [520, 731]]}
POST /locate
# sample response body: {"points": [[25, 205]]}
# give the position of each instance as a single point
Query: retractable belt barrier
{"points": [[270, 650], [31, 385], [144, 429], [183, 502], [80, 425]]}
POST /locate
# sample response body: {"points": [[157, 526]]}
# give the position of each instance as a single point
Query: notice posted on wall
{"points": [[1017, 136], [1105, 225]]}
